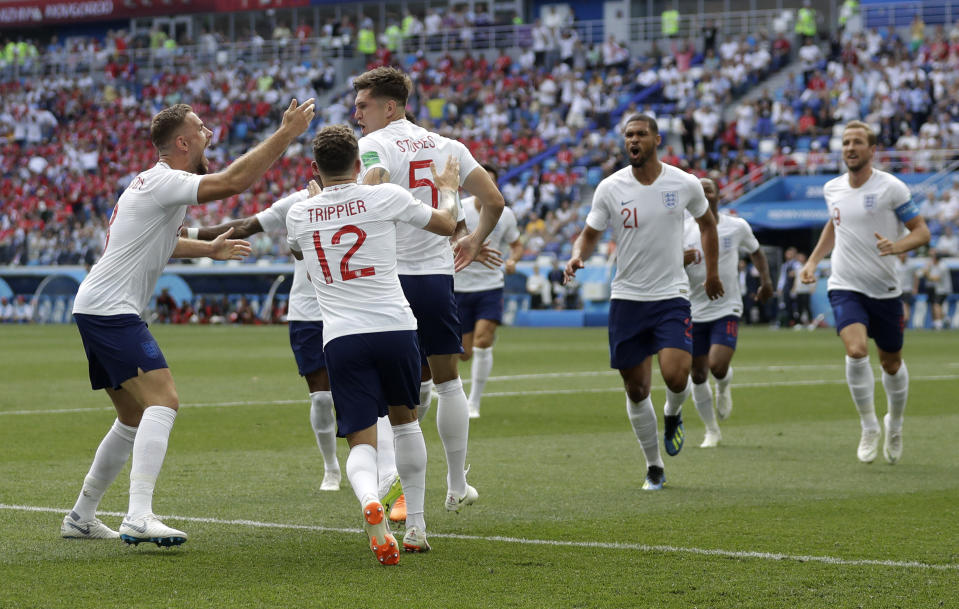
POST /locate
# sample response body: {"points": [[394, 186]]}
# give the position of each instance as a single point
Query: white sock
{"points": [[453, 425], [323, 422], [361, 471], [703, 399], [385, 454], [411, 464], [481, 367], [111, 456], [642, 416], [862, 386], [897, 392], [426, 396], [149, 450], [674, 401], [723, 383]]}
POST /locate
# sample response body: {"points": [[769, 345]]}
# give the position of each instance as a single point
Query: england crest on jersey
{"points": [[727, 243], [670, 199], [869, 202]]}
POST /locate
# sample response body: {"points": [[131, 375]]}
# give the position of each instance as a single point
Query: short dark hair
{"points": [[166, 122], [385, 82], [491, 169], [649, 120], [871, 137], [335, 149]]}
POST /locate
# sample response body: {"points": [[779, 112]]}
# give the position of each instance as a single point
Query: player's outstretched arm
{"points": [[482, 186], [221, 248], [918, 236], [807, 274], [242, 229], [243, 172], [709, 238], [765, 280], [583, 247]]}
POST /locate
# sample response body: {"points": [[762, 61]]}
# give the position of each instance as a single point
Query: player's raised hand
{"points": [[313, 188], [450, 178], [572, 266], [466, 250], [223, 248], [807, 274], [884, 245], [714, 287], [299, 117], [489, 257]]}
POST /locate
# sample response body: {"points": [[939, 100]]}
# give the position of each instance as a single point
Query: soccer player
{"points": [[716, 322], [394, 150], [347, 236], [649, 310], [866, 206], [479, 296], [124, 359], [306, 330]]}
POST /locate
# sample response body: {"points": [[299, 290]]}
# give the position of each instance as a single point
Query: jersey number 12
{"points": [[345, 272]]}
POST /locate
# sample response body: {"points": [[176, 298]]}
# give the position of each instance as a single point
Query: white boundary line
{"points": [[492, 394], [774, 556]]}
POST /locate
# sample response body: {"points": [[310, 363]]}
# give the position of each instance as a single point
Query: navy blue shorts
{"points": [[722, 331], [474, 306], [640, 329], [370, 372], [883, 318], [117, 347], [306, 339], [434, 306]]}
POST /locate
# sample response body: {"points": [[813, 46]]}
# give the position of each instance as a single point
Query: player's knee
{"points": [[719, 370], [637, 392], [857, 351], [676, 379], [699, 375]]}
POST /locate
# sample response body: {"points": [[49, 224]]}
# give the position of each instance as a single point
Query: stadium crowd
{"points": [[61, 171]]}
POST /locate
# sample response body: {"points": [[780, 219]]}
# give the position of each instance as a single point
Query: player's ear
{"points": [[357, 167], [315, 168]]}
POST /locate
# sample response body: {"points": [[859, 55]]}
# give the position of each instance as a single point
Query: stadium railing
{"points": [[198, 57], [896, 15]]}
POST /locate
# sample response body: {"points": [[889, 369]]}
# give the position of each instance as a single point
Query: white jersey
{"points": [[647, 226], [477, 277], [144, 230], [348, 238], [881, 205], [405, 151], [735, 237], [303, 304]]}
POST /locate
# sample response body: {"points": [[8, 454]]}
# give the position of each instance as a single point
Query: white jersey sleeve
{"points": [[302, 305], [881, 205], [647, 225], [144, 231], [406, 151], [477, 277], [735, 236], [347, 235]]}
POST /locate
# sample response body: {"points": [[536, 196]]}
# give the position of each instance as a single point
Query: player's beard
{"points": [[638, 160], [855, 165], [202, 166]]}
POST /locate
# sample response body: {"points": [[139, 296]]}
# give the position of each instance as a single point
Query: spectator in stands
{"points": [[23, 310], [538, 289], [7, 312], [948, 242], [938, 286]]}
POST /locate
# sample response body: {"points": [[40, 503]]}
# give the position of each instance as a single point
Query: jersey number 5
{"points": [[345, 272], [417, 182]]}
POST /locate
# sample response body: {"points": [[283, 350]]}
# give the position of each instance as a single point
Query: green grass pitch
{"points": [[780, 515]]}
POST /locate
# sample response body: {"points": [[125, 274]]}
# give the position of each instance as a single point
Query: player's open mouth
{"points": [[634, 151]]}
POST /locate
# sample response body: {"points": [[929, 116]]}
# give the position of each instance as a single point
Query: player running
{"points": [[716, 322], [867, 207], [479, 296], [649, 309]]}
